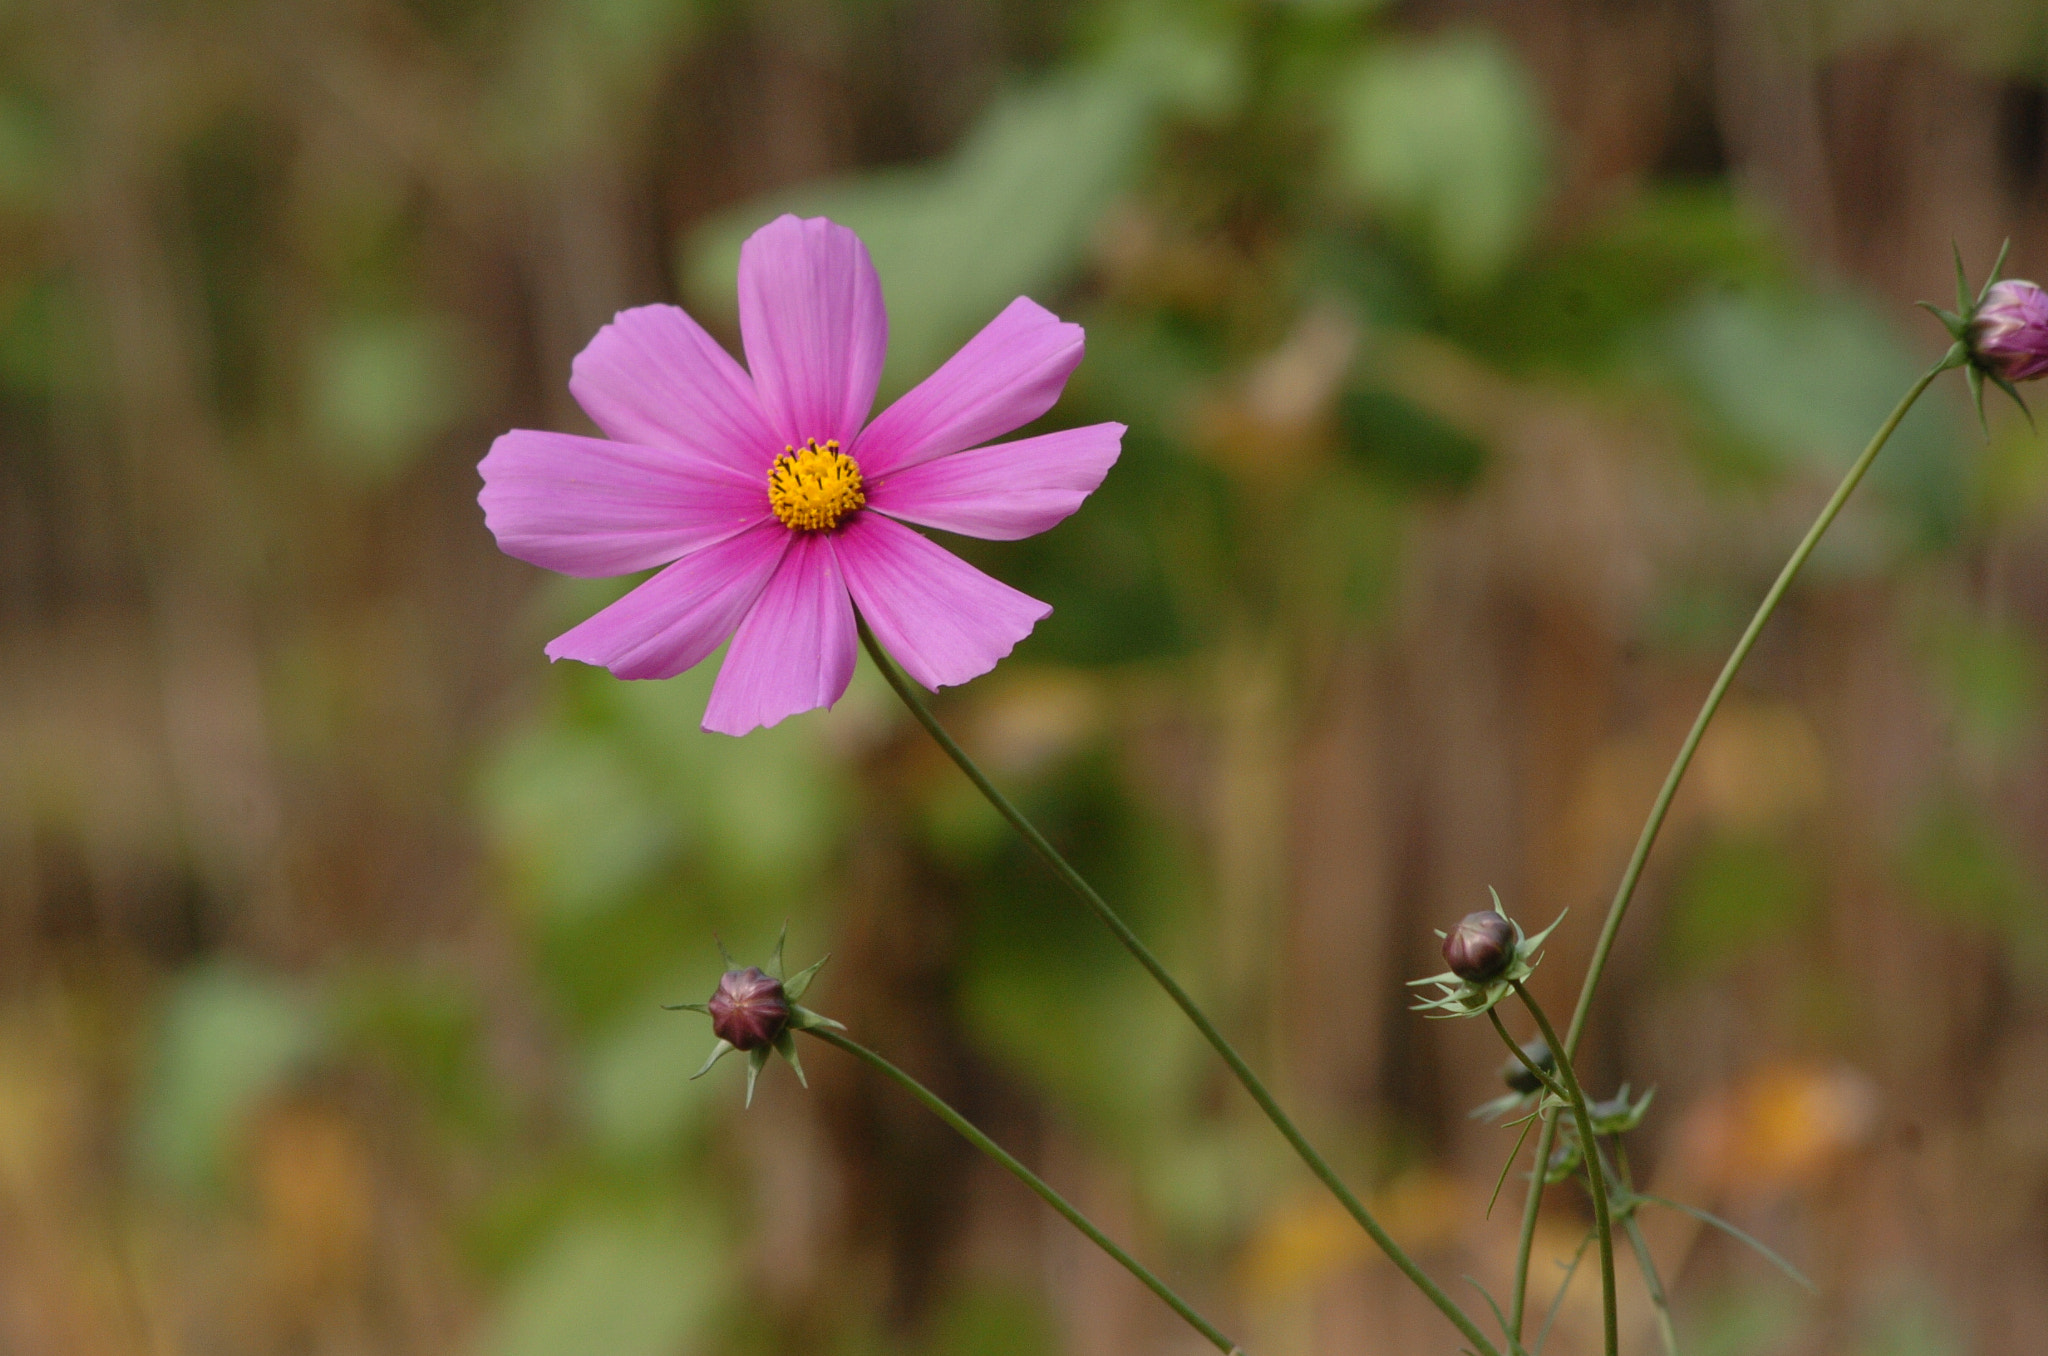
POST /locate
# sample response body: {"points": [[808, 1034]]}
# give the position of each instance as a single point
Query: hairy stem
{"points": [[981, 1141], [1660, 807], [1131, 943], [1567, 1079]]}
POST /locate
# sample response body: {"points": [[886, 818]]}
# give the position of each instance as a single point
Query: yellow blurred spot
{"points": [[315, 1187], [1781, 1127], [1760, 764], [1308, 1241]]}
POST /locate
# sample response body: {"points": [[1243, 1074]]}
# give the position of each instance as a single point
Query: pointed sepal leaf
{"points": [[1950, 321], [2013, 391], [718, 1052], [757, 1060], [804, 1019], [1997, 267], [793, 987], [687, 1007], [1962, 279], [785, 1045], [774, 966]]}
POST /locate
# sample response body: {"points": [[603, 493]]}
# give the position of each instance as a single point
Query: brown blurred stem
{"points": [[1662, 805], [1100, 908], [974, 1135]]}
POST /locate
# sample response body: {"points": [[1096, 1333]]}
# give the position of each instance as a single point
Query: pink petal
{"points": [[815, 333], [1002, 379], [654, 377], [671, 622], [591, 507], [795, 649], [1003, 492], [940, 618]]}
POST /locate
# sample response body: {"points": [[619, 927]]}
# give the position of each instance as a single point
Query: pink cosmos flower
{"points": [[2009, 332], [781, 507]]}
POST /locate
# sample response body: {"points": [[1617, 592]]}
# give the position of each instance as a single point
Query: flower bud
{"points": [[2009, 331], [1480, 947], [1516, 1074], [749, 1009]]}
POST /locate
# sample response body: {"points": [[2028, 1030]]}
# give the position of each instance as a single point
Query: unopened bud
{"points": [[749, 1010], [2009, 332], [1516, 1074], [1480, 947]]}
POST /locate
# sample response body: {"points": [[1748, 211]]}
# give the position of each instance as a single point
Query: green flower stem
{"points": [[1131, 943], [1662, 805], [981, 1141], [1660, 1301], [1568, 1078]]}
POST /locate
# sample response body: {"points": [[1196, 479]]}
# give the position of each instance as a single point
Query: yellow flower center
{"points": [[812, 488]]}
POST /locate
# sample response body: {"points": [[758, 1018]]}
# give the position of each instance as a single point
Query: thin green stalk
{"points": [[1667, 1332], [1568, 1079], [1131, 943], [1662, 805], [981, 1141], [1546, 1139]]}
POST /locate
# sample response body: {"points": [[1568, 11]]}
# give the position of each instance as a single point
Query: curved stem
{"points": [[1131, 943], [981, 1141], [1568, 1077], [1662, 805]]}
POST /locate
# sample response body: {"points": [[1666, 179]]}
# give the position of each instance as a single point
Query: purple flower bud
{"points": [[2009, 332], [1516, 1074], [749, 1009], [1480, 947]]}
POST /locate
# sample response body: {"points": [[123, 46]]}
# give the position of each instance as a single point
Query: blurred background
{"points": [[1482, 362]]}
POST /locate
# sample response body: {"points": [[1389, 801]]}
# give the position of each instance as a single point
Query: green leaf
{"points": [[620, 1286], [1735, 894], [382, 387], [1444, 137], [229, 1037], [629, 1095], [1007, 214], [1805, 381]]}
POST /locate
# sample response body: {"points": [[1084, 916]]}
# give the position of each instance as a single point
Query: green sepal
{"points": [[1950, 321], [730, 963], [1618, 1115], [793, 987], [1997, 267], [1564, 1161], [718, 1052], [757, 1060], [1498, 1107], [803, 1019], [1962, 279], [774, 965], [785, 1045], [2013, 391], [686, 1007]]}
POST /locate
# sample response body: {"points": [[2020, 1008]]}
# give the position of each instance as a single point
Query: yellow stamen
{"points": [[813, 488]]}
